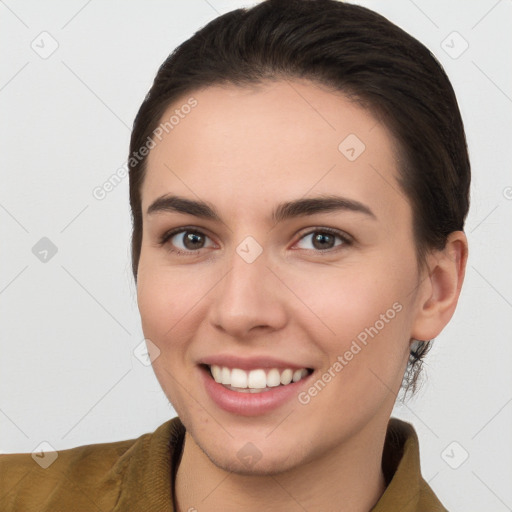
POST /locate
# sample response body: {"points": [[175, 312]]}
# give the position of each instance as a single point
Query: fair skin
{"points": [[244, 151]]}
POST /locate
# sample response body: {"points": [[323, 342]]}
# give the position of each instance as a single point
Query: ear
{"points": [[440, 287]]}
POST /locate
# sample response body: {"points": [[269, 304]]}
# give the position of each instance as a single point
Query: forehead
{"points": [[252, 146]]}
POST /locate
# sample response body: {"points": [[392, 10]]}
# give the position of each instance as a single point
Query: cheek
{"points": [[171, 303], [347, 300], [168, 301], [162, 300], [362, 321]]}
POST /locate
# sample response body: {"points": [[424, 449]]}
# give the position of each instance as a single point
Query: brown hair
{"points": [[350, 49]]}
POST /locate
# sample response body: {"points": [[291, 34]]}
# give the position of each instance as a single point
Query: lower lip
{"points": [[249, 404]]}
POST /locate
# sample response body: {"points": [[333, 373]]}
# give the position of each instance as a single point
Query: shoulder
{"points": [[30, 480], [88, 477]]}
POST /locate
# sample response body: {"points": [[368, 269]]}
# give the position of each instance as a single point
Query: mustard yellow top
{"points": [[138, 475]]}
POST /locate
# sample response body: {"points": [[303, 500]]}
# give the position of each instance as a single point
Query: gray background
{"points": [[69, 326]]}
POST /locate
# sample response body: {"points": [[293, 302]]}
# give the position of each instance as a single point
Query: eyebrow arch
{"points": [[283, 211]]}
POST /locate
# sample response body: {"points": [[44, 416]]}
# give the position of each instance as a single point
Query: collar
{"points": [[150, 467], [406, 489]]}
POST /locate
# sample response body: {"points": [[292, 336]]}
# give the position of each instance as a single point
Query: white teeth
{"points": [[255, 380], [286, 377], [273, 378], [217, 373], [299, 374], [225, 376], [238, 378]]}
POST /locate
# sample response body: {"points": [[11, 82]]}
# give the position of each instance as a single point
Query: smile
{"points": [[256, 381], [261, 386]]}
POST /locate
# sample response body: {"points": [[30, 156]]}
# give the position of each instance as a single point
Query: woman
{"points": [[299, 181]]}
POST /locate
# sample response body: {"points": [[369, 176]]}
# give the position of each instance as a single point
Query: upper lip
{"points": [[249, 363]]}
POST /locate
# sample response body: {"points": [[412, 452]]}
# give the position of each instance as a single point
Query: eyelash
{"points": [[164, 239]]}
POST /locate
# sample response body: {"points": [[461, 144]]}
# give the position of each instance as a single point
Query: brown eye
{"points": [[184, 241], [325, 239], [192, 240]]}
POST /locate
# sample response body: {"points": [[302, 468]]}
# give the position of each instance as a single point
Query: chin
{"points": [[244, 466]]}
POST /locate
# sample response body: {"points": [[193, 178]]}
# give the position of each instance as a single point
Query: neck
{"points": [[350, 476]]}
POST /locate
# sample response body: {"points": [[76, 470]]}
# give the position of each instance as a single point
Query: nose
{"points": [[249, 299]]}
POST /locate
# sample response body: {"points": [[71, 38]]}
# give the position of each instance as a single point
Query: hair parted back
{"points": [[350, 49]]}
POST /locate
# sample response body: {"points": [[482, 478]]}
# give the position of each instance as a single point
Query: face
{"points": [[323, 292]]}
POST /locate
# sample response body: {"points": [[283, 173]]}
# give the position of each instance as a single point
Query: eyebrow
{"points": [[283, 211]]}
